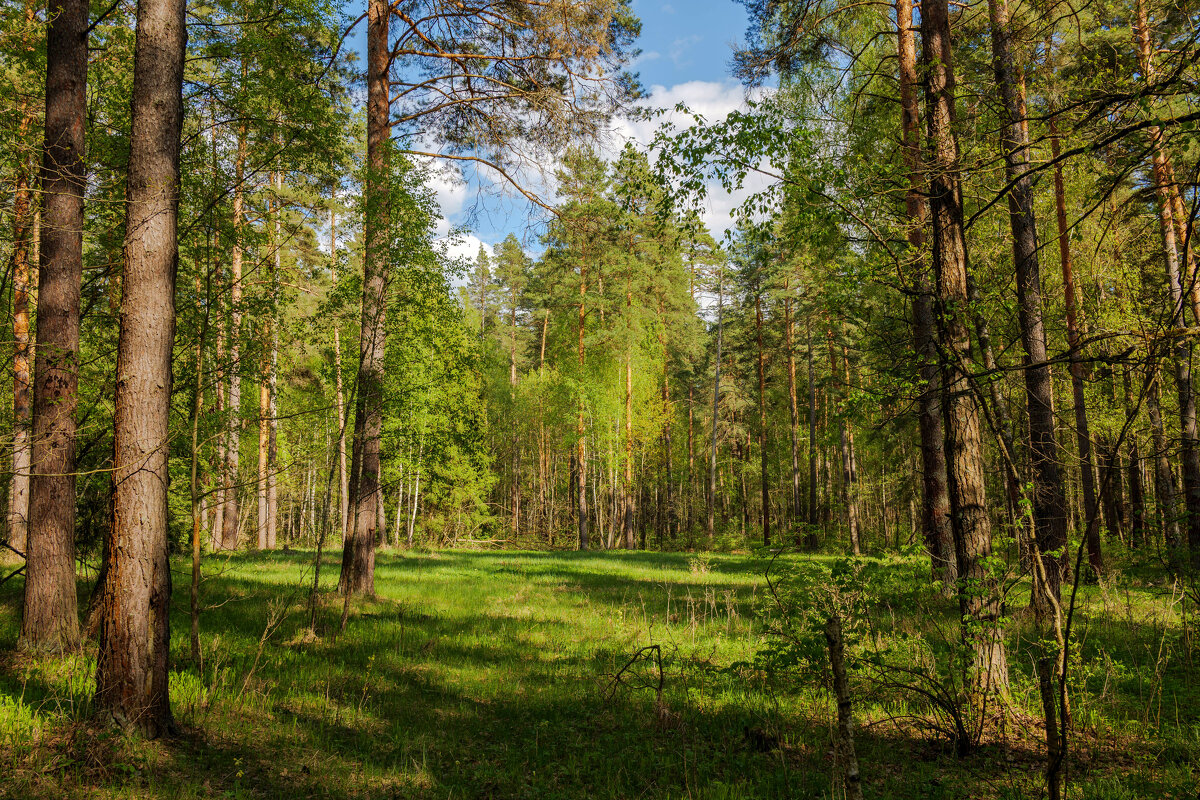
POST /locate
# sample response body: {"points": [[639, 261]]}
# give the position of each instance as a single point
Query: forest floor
{"points": [[491, 675]]}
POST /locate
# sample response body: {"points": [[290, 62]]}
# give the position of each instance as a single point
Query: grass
{"points": [[490, 674]]}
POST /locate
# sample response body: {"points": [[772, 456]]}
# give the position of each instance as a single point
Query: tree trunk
{"points": [[712, 458], [51, 611], [840, 374], [132, 665], [581, 511], [343, 474], [358, 551], [810, 539], [1182, 348], [1049, 499], [231, 515], [797, 505], [1164, 479], [273, 379], [762, 421], [23, 215], [1091, 509], [978, 598]]}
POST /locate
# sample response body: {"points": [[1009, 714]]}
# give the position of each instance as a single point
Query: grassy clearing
{"points": [[489, 674]]}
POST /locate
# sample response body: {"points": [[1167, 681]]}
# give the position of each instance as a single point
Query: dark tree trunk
{"points": [[810, 538], [978, 598], [51, 609], [1049, 498], [132, 665], [935, 518], [1091, 509], [358, 552]]}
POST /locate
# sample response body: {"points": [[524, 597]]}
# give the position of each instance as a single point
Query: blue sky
{"points": [[687, 41], [686, 52]]}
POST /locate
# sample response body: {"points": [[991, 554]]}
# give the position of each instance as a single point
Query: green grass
{"points": [[489, 674]]}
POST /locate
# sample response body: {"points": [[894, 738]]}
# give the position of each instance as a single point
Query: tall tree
{"points": [[965, 469], [132, 665], [1049, 498], [50, 620], [358, 552]]}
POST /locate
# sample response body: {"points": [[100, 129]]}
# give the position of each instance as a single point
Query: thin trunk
{"points": [[1164, 479], [712, 459], [581, 510], [978, 597], [793, 409], [231, 516], [840, 373], [1083, 437], [23, 216], [810, 538], [1182, 348], [273, 380], [343, 473], [630, 502], [358, 552], [764, 484], [133, 662], [50, 618]]}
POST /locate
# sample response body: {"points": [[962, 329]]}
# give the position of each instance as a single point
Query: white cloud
{"points": [[712, 101]]}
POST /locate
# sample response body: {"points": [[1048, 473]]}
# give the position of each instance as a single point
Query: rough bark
{"points": [[978, 599], [936, 522], [764, 483], [358, 552], [1083, 438], [18, 497], [1182, 348], [1049, 498], [231, 513], [50, 619], [132, 665]]}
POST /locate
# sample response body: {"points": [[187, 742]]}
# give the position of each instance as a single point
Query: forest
{"points": [[838, 443]]}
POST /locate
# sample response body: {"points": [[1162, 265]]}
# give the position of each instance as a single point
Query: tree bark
{"points": [[1091, 509], [132, 665], [764, 484], [51, 610], [978, 599], [1182, 348], [231, 514], [18, 497], [358, 552], [712, 458], [1049, 498]]}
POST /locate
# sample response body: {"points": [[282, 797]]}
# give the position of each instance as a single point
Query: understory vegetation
{"points": [[513, 674]]}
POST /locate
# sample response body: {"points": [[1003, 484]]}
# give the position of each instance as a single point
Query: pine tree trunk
{"points": [[810, 539], [581, 461], [978, 598], [339, 394], [797, 505], [18, 498], [358, 551], [273, 381], [51, 611], [762, 422], [1049, 498], [134, 652], [1182, 348], [1091, 510], [712, 459], [231, 516]]}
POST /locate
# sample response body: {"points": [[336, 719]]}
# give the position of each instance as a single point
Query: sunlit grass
{"points": [[489, 674]]}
